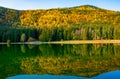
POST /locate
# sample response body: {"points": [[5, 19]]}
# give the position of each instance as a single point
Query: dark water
{"points": [[98, 61]]}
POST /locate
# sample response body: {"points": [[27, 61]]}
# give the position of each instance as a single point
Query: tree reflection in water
{"points": [[76, 60]]}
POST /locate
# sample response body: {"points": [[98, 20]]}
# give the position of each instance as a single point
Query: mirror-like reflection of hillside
{"points": [[79, 60]]}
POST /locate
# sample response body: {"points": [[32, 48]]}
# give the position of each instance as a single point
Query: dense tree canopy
{"points": [[76, 23]]}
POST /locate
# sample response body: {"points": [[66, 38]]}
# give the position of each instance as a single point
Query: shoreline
{"points": [[85, 42], [70, 42]]}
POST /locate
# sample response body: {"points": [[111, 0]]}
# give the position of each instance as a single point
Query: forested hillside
{"points": [[76, 23]]}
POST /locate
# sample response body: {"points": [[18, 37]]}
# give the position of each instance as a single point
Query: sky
{"points": [[48, 4]]}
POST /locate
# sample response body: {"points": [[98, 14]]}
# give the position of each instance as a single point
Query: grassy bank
{"points": [[71, 42]]}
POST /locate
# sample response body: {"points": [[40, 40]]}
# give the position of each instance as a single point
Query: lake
{"points": [[55, 61]]}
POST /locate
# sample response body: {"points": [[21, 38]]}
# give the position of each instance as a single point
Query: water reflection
{"points": [[23, 48], [45, 77], [109, 75], [78, 60]]}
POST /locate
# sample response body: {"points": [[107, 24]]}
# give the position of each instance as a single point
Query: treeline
{"points": [[77, 23], [17, 35], [59, 33]]}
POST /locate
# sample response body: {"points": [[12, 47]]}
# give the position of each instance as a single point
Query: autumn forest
{"points": [[76, 23]]}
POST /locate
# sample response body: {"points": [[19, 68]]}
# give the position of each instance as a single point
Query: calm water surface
{"points": [[90, 61]]}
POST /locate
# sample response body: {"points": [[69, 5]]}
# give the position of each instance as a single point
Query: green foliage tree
{"points": [[8, 42], [23, 37]]}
